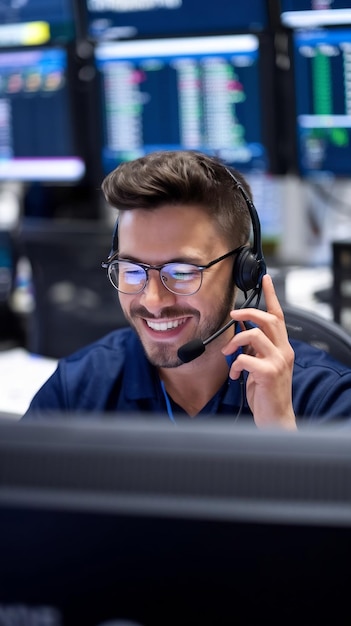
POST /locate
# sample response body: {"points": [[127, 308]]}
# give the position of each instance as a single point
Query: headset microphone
{"points": [[249, 269], [196, 347]]}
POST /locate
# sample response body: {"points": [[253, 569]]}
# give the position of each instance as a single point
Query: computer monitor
{"points": [[212, 94], [136, 520], [36, 22], [38, 131], [321, 60], [74, 302], [142, 18]]}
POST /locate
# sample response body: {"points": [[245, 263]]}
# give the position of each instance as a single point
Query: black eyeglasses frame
{"points": [[146, 267]]}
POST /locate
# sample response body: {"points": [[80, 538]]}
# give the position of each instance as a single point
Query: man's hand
{"points": [[269, 359]]}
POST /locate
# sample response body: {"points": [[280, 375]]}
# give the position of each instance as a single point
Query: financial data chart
{"points": [[37, 137], [197, 93], [322, 61]]}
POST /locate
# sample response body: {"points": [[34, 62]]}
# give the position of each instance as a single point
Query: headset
{"points": [[250, 265]]}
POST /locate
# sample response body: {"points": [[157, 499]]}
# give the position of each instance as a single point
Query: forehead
{"points": [[172, 229], [177, 213]]}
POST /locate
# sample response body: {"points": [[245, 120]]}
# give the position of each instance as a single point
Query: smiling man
{"points": [[180, 250], [169, 310]]}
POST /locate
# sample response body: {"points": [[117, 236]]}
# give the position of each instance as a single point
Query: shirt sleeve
{"points": [[51, 398], [321, 386]]}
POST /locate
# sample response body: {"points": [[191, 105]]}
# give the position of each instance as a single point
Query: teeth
{"points": [[162, 326]]}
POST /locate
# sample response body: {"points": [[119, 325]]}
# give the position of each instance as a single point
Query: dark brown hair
{"points": [[186, 178]]}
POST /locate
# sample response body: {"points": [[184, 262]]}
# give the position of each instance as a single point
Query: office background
{"points": [[86, 84]]}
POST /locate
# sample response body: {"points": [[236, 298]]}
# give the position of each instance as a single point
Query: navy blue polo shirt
{"points": [[113, 376]]}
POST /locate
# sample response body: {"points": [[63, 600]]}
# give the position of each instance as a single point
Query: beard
{"points": [[164, 355]]}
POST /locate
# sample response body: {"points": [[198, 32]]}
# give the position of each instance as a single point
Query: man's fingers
{"points": [[272, 302]]}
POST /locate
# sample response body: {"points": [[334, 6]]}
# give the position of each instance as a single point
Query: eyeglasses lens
{"points": [[179, 278], [127, 277]]}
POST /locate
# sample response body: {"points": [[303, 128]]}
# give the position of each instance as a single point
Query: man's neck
{"points": [[192, 385]]}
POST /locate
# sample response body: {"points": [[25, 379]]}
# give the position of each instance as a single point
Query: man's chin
{"points": [[163, 356]]}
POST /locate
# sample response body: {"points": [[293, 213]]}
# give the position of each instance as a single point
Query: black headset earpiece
{"points": [[247, 270], [249, 266], [114, 246]]}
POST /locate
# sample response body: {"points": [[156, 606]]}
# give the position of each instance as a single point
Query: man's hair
{"points": [[183, 178]]}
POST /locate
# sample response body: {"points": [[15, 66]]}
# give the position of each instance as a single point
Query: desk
{"points": [[301, 285], [21, 375]]}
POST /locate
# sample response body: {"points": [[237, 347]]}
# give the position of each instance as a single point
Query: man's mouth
{"points": [[165, 325]]}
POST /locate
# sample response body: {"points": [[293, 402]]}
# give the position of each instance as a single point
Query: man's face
{"points": [[163, 320]]}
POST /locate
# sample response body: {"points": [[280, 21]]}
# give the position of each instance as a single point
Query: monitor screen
{"points": [[114, 19], [36, 22], [131, 521], [322, 62], [37, 130], [314, 13], [201, 93]]}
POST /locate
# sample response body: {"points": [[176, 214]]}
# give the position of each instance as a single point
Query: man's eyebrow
{"points": [[186, 260]]}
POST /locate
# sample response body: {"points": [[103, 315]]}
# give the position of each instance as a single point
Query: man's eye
{"points": [[186, 273], [133, 276], [133, 273]]}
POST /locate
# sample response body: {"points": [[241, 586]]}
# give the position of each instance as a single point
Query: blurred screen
{"points": [[111, 19], [322, 66], [37, 135], [312, 13], [200, 93], [36, 22]]}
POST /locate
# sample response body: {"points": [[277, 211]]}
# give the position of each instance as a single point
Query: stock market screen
{"points": [[37, 133], [322, 69], [199, 93]]}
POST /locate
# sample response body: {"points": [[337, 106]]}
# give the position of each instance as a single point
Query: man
{"points": [[183, 228]]}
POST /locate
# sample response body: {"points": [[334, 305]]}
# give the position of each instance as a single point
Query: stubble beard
{"points": [[165, 355]]}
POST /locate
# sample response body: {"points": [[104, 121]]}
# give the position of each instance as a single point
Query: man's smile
{"points": [[165, 325]]}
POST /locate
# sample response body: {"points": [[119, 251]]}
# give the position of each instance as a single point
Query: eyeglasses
{"points": [[182, 279]]}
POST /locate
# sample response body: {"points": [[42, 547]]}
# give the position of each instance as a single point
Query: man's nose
{"points": [[155, 293]]}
